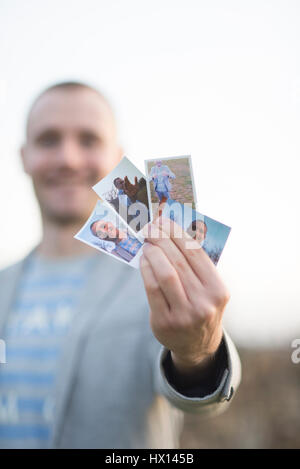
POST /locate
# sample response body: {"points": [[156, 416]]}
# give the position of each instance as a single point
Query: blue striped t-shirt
{"points": [[41, 316]]}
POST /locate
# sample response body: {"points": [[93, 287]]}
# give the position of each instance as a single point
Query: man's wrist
{"points": [[202, 381], [191, 368], [194, 365]]}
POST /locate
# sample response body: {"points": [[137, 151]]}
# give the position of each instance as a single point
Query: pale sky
{"points": [[219, 80]]}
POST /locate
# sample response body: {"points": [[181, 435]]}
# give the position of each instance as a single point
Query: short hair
{"points": [[116, 179], [92, 224], [193, 225], [68, 85], [91, 227]]}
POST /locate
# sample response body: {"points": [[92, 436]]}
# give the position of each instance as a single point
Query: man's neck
{"points": [[58, 241]]}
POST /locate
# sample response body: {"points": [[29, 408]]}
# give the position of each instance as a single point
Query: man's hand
{"points": [[186, 295]]}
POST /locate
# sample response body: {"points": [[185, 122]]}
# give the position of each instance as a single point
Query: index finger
{"points": [[191, 249]]}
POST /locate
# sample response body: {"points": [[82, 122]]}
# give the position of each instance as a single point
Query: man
{"points": [[133, 196], [160, 175], [124, 245], [84, 369], [121, 195], [119, 184]]}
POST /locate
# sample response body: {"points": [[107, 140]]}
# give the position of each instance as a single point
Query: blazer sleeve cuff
{"points": [[215, 401]]}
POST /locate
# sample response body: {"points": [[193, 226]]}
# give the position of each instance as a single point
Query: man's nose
{"points": [[69, 154]]}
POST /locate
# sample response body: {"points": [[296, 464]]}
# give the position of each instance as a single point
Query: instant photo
{"points": [[105, 231], [170, 178], [210, 234], [125, 190]]}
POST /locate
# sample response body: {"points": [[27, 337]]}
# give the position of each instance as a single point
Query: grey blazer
{"points": [[112, 390]]}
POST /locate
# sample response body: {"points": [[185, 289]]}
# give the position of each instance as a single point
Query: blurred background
{"points": [[219, 80]]}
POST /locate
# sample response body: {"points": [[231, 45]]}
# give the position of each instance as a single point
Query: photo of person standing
{"points": [[160, 175]]}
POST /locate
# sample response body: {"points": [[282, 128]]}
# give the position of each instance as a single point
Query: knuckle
{"points": [[226, 295], [168, 277], [162, 324], [186, 322], [170, 325], [152, 288], [221, 297], [210, 311], [156, 242], [179, 264], [193, 251]]}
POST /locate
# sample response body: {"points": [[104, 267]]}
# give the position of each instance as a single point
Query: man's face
{"points": [[158, 163], [119, 183], [71, 145]]}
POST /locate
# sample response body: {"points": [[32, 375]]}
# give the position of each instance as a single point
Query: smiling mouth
{"points": [[61, 183]]}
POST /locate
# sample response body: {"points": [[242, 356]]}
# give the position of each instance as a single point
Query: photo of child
{"points": [[105, 231], [170, 178], [160, 175]]}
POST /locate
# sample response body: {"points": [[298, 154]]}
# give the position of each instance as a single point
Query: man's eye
{"points": [[48, 140], [88, 140]]}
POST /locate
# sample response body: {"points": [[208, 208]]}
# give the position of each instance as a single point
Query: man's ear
{"points": [[23, 151]]}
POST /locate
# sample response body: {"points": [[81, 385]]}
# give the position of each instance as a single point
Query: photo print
{"points": [[125, 190], [170, 178], [209, 233], [105, 231]]}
